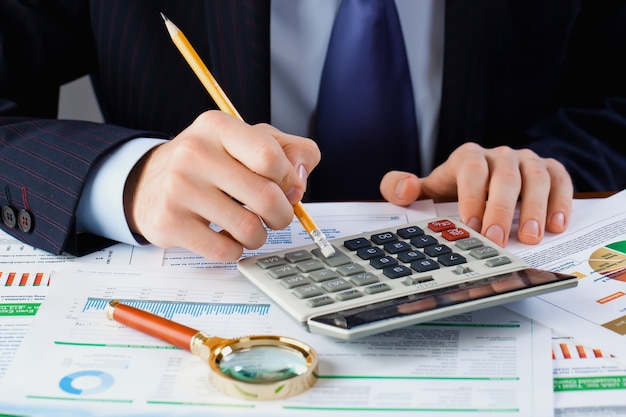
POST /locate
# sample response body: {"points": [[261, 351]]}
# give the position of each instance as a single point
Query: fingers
{"points": [[279, 157], [546, 202], [302, 153], [205, 174], [505, 184], [489, 183]]}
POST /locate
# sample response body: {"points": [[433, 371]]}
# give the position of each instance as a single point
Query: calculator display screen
{"points": [[441, 298]]}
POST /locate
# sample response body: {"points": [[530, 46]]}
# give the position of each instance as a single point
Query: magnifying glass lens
{"points": [[263, 364]]}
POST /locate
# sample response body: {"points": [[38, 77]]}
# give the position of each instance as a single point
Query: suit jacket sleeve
{"points": [[587, 130], [542, 75], [44, 162]]}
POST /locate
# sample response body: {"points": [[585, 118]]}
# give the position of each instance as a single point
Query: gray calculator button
{"points": [[462, 269], [309, 265], [484, 252], [417, 280], [339, 258], [350, 269], [376, 288], [282, 271], [298, 256], [363, 279], [335, 285], [500, 260], [270, 262], [294, 281], [468, 243], [320, 301], [323, 275], [348, 295], [307, 291]]}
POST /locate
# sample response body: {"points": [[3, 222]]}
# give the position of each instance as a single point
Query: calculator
{"points": [[392, 278]]}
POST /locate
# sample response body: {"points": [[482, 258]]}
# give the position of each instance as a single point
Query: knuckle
{"points": [[250, 231], [221, 251], [537, 174], [503, 150], [312, 149], [268, 153], [212, 119], [475, 164], [470, 147]]}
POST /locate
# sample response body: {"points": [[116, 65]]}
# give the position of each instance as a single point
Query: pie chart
{"points": [[610, 260]]}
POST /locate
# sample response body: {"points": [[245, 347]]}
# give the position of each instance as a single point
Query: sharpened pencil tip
{"points": [[164, 17]]}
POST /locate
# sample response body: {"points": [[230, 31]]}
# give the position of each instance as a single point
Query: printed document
{"points": [[491, 362]]}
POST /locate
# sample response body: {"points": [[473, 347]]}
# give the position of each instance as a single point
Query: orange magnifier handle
{"points": [[167, 330]]}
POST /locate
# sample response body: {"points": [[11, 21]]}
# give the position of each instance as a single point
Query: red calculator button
{"points": [[440, 225], [455, 234]]}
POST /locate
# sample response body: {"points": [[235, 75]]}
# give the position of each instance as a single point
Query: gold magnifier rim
{"points": [[266, 390]]}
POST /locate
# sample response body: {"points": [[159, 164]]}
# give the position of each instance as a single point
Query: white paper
{"points": [[74, 360], [594, 249]]}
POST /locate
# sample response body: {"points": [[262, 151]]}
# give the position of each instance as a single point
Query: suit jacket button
{"points": [[25, 220], [9, 216]]}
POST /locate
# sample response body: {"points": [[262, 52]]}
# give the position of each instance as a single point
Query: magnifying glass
{"points": [[251, 367]]}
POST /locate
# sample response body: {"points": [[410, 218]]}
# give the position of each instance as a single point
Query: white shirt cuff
{"points": [[101, 207]]}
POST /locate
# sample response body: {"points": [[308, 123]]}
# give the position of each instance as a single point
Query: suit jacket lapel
{"points": [[238, 35]]}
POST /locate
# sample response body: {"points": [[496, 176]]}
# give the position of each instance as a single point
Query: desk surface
{"points": [[595, 194]]}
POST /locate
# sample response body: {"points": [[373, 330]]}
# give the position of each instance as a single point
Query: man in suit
{"points": [[545, 80]]}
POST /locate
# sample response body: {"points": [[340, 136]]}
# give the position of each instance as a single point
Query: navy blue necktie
{"points": [[366, 114]]}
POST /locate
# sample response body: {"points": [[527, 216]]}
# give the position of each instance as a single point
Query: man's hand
{"points": [[222, 171], [487, 184]]}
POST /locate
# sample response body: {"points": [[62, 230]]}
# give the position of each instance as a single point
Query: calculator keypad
{"points": [[367, 265]]}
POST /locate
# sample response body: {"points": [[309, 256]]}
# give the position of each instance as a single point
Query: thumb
{"points": [[400, 188]]}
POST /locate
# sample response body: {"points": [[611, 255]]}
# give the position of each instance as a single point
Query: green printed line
{"points": [[104, 400], [116, 345], [590, 383], [429, 378], [416, 409], [201, 404], [21, 309]]}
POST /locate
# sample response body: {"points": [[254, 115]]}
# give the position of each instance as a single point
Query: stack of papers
{"points": [[60, 355]]}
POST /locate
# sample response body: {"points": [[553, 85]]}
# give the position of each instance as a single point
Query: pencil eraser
{"points": [[328, 251]]}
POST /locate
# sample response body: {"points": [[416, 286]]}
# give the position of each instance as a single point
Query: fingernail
{"points": [[293, 195], [558, 219], [530, 228], [302, 173], [400, 188], [475, 223], [496, 234]]}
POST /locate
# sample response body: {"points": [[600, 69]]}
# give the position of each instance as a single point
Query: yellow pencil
{"points": [[222, 101]]}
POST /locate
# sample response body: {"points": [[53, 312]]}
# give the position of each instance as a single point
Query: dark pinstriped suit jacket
{"points": [[544, 75]]}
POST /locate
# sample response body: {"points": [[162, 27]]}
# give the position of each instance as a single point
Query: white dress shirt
{"points": [[299, 35]]}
